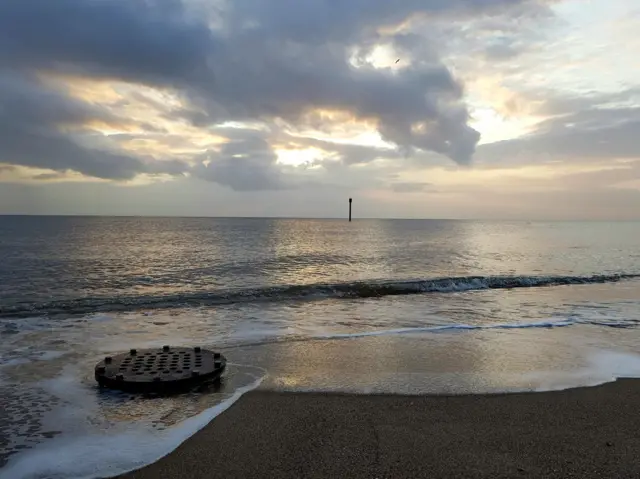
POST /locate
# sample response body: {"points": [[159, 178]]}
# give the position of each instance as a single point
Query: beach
{"points": [[582, 433], [365, 349], [334, 239]]}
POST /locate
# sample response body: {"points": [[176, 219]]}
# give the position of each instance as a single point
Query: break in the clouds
{"points": [[285, 97]]}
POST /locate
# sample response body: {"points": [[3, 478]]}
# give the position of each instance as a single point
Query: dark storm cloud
{"points": [[317, 21], [26, 100], [263, 60], [150, 40]]}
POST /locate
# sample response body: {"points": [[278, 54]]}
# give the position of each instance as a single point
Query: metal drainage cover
{"points": [[159, 369]]}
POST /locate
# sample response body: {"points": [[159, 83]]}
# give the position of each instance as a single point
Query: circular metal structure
{"points": [[160, 370]]}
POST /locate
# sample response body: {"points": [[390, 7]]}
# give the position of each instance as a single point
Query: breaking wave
{"points": [[369, 289]]}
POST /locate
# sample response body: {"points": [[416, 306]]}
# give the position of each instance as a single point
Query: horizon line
{"points": [[336, 218]]}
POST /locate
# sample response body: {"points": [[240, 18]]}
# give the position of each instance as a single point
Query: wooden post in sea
{"points": [[350, 201]]}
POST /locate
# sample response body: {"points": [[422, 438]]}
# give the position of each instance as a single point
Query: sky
{"points": [[489, 109]]}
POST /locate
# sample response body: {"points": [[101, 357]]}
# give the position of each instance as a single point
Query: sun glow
{"points": [[493, 126], [299, 156]]}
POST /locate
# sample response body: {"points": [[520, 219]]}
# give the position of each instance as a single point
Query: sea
{"points": [[368, 307]]}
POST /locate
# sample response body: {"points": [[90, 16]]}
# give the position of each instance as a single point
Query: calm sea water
{"points": [[370, 306]]}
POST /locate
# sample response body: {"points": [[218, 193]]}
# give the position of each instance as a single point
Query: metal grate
{"points": [[161, 369]]}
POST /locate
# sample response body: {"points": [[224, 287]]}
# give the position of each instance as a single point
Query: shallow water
{"points": [[408, 307]]}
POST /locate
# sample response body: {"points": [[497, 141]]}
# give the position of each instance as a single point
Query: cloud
{"points": [[501, 51], [552, 103], [409, 187], [251, 61], [246, 163], [419, 108], [31, 115], [47, 176], [150, 40], [583, 128], [344, 153], [317, 21]]}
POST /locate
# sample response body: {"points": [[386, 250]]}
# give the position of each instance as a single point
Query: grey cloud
{"points": [[246, 163], [25, 100], [47, 176], [594, 126], [409, 187], [417, 47], [472, 43], [285, 83], [52, 150], [593, 203], [319, 20], [554, 104], [29, 134], [600, 203], [589, 180], [500, 51], [590, 132], [151, 40], [263, 60]]}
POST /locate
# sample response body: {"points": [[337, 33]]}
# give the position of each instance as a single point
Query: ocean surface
{"points": [[372, 306]]}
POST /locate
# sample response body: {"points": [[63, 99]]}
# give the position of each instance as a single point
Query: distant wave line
{"points": [[358, 289]]}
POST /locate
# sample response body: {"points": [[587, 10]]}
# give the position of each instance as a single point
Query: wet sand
{"points": [[582, 433]]}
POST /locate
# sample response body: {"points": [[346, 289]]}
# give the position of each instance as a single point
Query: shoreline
{"points": [[586, 432]]}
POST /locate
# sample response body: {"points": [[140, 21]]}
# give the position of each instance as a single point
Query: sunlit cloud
{"points": [[23, 174]]}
